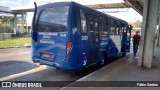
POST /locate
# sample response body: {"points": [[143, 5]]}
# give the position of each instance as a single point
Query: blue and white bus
{"points": [[70, 36]]}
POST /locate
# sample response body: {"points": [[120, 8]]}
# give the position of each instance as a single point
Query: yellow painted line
{"points": [[24, 73]]}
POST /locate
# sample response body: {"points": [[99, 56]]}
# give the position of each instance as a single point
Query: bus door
{"points": [[93, 28], [97, 36]]}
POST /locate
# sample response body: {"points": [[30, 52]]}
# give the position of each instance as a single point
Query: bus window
{"points": [[91, 26], [96, 29], [83, 22], [96, 26], [112, 30], [117, 30], [117, 25], [103, 25], [91, 30], [112, 27], [128, 35], [53, 19], [124, 29]]}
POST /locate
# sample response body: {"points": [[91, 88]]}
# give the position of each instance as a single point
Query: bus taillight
{"points": [[68, 47]]}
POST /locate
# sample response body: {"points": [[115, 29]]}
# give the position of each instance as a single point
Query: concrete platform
{"points": [[124, 69]]}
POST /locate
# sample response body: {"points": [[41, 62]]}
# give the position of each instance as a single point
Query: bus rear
{"points": [[50, 35]]}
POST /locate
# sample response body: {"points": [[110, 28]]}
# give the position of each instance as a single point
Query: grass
{"points": [[15, 42]]}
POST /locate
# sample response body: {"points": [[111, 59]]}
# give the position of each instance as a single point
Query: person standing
{"points": [[136, 40]]}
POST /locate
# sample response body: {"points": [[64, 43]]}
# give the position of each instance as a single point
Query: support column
{"points": [[15, 24], [150, 16], [26, 23], [158, 33], [22, 24]]}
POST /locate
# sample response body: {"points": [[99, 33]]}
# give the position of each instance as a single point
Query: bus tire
{"points": [[123, 54], [57, 68]]}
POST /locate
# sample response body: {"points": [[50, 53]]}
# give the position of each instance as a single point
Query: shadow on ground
{"points": [[14, 67]]}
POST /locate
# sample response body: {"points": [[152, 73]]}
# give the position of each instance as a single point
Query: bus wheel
{"points": [[123, 54], [57, 68]]}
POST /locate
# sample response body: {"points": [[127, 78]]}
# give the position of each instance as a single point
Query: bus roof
{"points": [[70, 3]]}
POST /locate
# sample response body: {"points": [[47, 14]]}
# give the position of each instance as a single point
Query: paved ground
{"points": [[16, 65], [124, 69]]}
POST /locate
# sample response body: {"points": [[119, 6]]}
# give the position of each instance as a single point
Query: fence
{"points": [[6, 36]]}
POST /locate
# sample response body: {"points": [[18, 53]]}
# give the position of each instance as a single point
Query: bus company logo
{"points": [[6, 84]]}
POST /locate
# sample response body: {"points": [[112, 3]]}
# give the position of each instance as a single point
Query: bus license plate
{"points": [[46, 55]]}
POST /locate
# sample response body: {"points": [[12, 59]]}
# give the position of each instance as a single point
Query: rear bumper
{"points": [[64, 65]]}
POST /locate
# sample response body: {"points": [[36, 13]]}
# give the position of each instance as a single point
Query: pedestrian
{"points": [[136, 41]]}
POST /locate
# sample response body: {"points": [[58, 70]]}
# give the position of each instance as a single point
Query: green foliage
{"points": [[15, 42], [7, 19], [137, 24], [6, 28]]}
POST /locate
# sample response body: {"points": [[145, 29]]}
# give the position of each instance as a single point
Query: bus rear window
{"points": [[53, 19]]}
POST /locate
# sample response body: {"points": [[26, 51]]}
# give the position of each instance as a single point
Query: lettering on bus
{"points": [[47, 41], [63, 35], [104, 38], [84, 62], [84, 38], [47, 33], [46, 36], [104, 43]]}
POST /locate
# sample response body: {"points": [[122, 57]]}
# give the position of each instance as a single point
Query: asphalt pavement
{"points": [[16, 65]]}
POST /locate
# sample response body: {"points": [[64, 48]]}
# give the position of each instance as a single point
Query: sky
{"points": [[129, 15]]}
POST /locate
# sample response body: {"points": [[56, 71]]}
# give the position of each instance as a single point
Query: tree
{"points": [[6, 19], [137, 24]]}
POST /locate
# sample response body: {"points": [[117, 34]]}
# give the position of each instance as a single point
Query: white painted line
{"points": [[24, 73], [103, 68], [130, 60]]}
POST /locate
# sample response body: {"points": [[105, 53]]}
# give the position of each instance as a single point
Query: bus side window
{"points": [[91, 30], [103, 25], [96, 26], [91, 26], [117, 30], [124, 29], [128, 34], [83, 22], [117, 24], [112, 30]]}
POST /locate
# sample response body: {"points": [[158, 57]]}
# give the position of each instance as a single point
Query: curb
{"points": [[16, 47]]}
